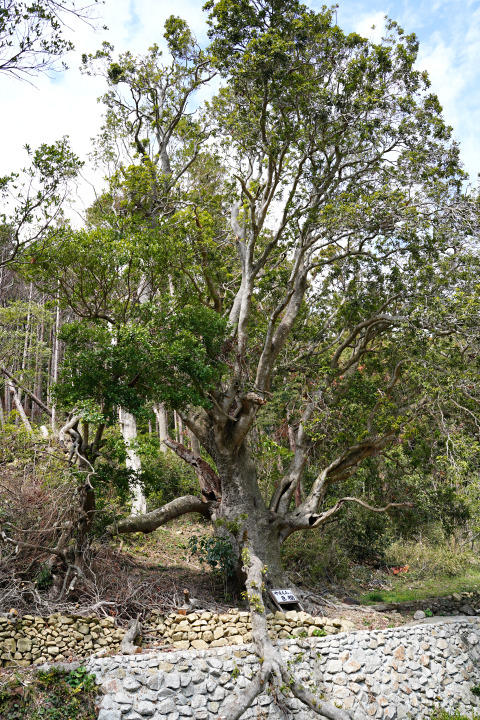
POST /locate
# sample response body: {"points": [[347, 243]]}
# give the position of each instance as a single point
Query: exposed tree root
{"points": [[273, 668]]}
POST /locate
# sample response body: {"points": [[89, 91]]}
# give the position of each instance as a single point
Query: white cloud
{"points": [[371, 26]]}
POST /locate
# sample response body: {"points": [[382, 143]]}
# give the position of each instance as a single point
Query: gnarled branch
{"points": [[152, 520]]}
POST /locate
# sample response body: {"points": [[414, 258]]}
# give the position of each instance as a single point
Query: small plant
{"points": [[319, 632], [218, 553], [52, 695], [441, 714], [43, 578], [428, 613], [476, 690]]}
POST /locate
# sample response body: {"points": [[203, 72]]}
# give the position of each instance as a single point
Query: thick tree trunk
{"points": [[243, 510]]}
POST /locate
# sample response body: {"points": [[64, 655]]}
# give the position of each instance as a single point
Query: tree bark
{"points": [[162, 419], [273, 668], [19, 407], [128, 425], [152, 520]]}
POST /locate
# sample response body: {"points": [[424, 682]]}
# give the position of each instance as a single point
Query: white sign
{"points": [[284, 596]]}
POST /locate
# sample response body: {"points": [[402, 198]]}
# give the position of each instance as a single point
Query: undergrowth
{"points": [[52, 695], [441, 714]]}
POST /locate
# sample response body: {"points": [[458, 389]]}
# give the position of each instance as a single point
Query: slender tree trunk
{"points": [[128, 425], [19, 407], [54, 373], [162, 419]]}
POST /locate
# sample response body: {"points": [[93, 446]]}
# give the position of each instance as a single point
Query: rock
{"points": [[109, 715], [145, 708], [24, 645], [419, 615], [130, 684]]}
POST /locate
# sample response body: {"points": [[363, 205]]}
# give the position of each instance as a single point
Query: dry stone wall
{"points": [[35, 640], [389, 675]]}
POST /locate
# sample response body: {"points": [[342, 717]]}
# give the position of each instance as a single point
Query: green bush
{"points": [[52, 695], [316, 556], [218, 553]]}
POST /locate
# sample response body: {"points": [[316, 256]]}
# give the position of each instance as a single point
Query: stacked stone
{"points": [[201, 630], [465, 603], [35, 640], [389, 675]]}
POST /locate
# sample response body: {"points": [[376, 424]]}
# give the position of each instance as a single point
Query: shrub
{"points": [[218, 553], [52, 695], [441, 714], [316, 556]]}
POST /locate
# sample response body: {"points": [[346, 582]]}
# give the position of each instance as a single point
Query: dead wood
{"points": [[127, 646]]}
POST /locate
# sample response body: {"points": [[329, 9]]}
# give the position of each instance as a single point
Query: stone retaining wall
{"points": [[34, 640], [465, 603], [389, 675]]}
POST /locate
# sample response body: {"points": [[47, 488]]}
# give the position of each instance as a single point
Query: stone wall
{"points": [[29, 639], [465, 603], [389, 675], [34, 640]]}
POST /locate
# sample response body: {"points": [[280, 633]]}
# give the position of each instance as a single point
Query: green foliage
{"points": [[52, 695], [164, 476], [31, 35], [476, 690], [317, 556], [319, 632], [43, 577], [218, 553], [441, 714], [171, 356]]}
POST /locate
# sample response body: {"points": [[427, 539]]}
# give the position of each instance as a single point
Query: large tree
{"points": [[283, 255]]}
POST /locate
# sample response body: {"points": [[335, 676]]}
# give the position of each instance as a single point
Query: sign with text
{"points": [[284, 596]]}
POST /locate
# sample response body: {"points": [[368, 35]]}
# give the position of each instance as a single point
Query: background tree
{"points": [[32, 34]]}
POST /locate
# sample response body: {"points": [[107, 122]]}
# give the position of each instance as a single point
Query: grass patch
{"points": [[52, 695], [407, 589]]}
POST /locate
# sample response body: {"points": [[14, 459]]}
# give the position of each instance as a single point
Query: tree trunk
{"points": [[54, 372], [19, 407], [128, 425], [162, 419], [243, 510]]}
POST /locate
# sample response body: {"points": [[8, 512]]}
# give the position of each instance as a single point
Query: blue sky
{"points": [[448, 30]]}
